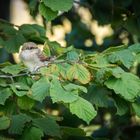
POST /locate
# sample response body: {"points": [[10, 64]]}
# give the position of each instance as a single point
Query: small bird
{"points": [[32, 57]]}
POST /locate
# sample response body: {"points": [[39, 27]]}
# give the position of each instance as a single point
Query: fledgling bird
{"points": [[32, 57]]}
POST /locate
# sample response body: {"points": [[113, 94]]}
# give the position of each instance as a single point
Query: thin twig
{"points": [[5, 21], [12, 76]]}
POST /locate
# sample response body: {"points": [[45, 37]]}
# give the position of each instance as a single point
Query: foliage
{"points": [[78, 81]]}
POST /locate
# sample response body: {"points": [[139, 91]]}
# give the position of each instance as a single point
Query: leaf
{"points": [[59, 94], [20, 89], [125, 57], [12, 69], [135, 48], [114, 49], [25, 103], [52, 70], [13, 44], [55, 48], [69, 131], [78, 72], [71, 87], [18, 123], [48, 126], [4, 95], [104, 73], [40, 89], [121, 105], [57, 5], [4, 122], [72, 56], [136, 107], [46, 50], [101, 61], [63, 69], [128, 85], [32, 133], [98, 96], [46, 12], [83, 109], [29, 30], [33, 5]]}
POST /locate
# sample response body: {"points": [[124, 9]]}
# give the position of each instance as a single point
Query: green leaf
{"points": [[40, 89], [69, 131], [32, 133], [78, 72], [72, 56], [59, 94], [46, 50], [136, 107], [13, 44], [12, 69], [125, 57], [63, 69], [121, 105], [46, 12], [71, 87], [18, 123], [4, 95], [83, 109], [135, 48], [55, 48], [128, 85], [114, 49], [48, 126], [101, 61], [33, 5], [98, 96], [104, 73], [4, 122], [1, 42], [25, 103], [27, 30], [57, 5], [20, 89]]}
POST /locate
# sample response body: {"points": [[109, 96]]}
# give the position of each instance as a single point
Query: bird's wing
{"points": [[43, 58]]}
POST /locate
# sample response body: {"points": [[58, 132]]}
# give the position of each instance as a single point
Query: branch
{"points": [[5, 21], [12, 76]]}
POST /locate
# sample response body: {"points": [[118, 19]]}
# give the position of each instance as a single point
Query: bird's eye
{"points": [[31, 48]]}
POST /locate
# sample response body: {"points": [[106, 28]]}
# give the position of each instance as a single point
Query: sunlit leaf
{"points": [[83, 109], [46, 12], [125, 57], [59, 94], [71, 87], [78, 72], [40, 89], [12, 69], [57, 5], [135, 48], [128, 85]]}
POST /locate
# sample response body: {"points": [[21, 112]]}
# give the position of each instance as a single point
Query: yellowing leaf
{"points": [[80, 73]]}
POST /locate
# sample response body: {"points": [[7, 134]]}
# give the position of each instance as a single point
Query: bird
{"points": [[33, 57]]}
